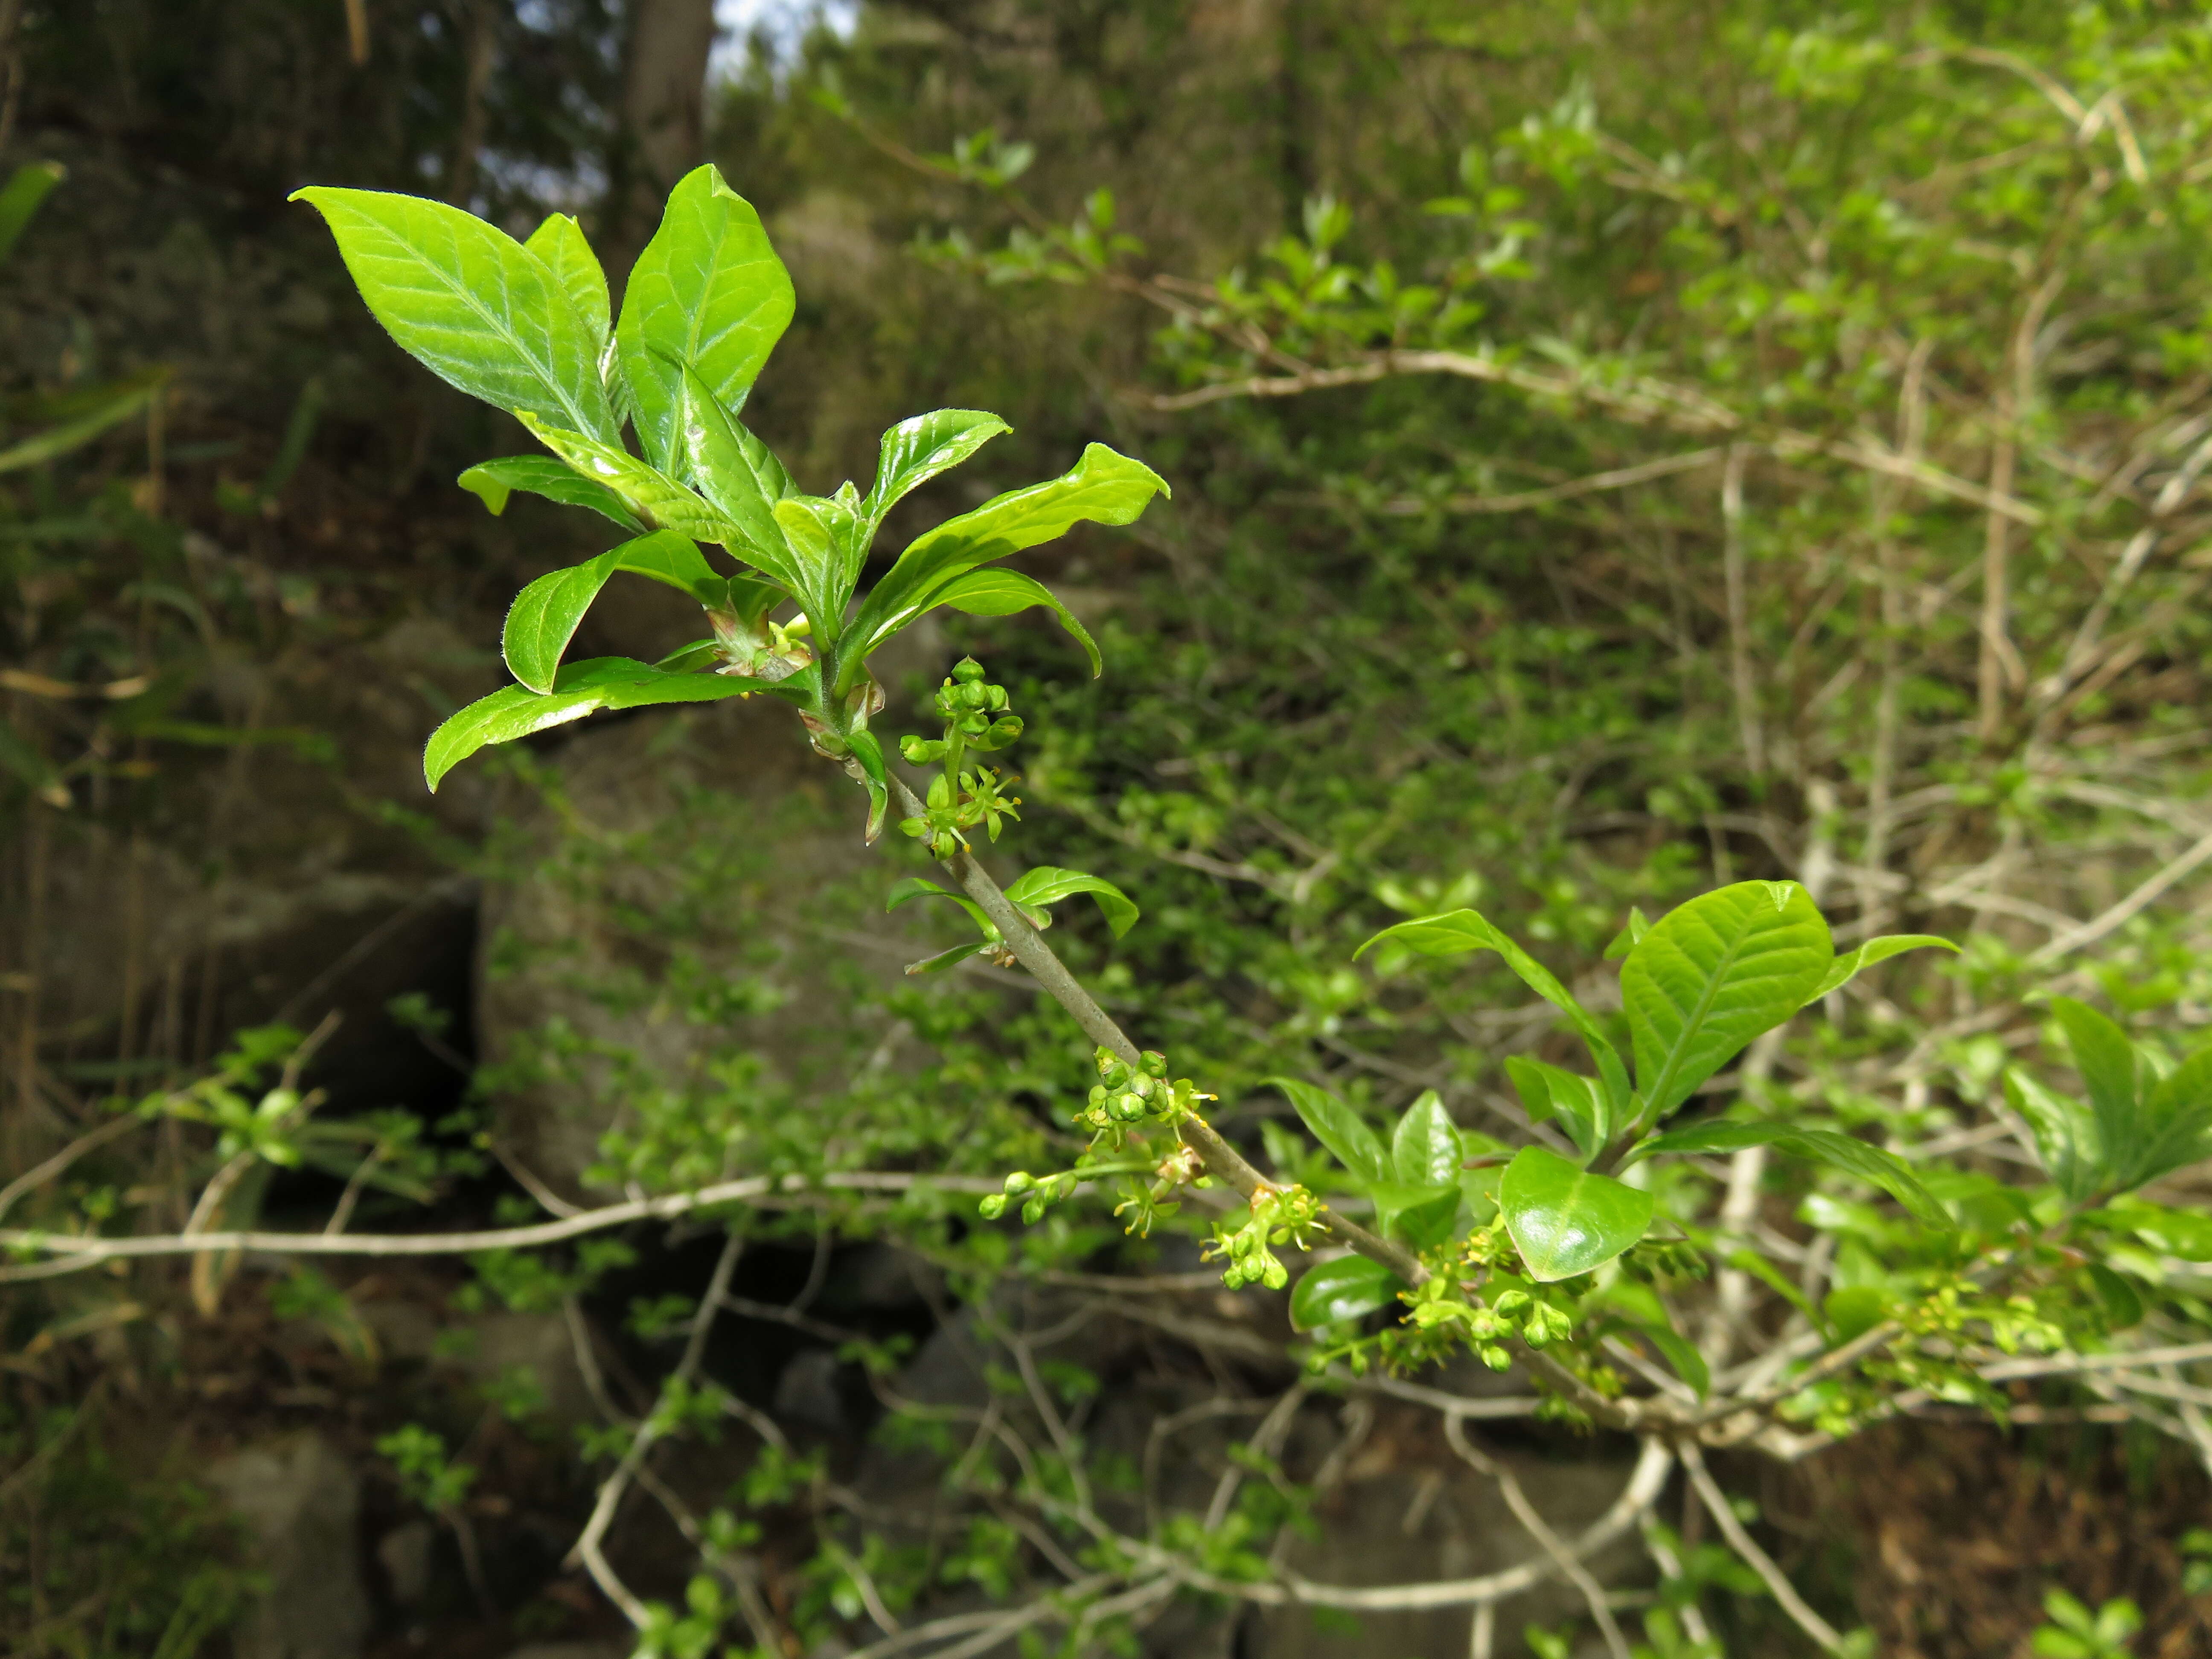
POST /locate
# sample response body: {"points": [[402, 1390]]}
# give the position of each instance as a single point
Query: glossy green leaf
{"points": [[1713, 974], [1048, 885], [27, 187], [581, 689], [868, 752], [1850, 963], [1424, 1150], [1103, 487], [1852, 1156], [707, 291], [472, 305], [1338, 1127], [919, 447], [1351, 1287], [1566, 1221], [1458, 932], [559, 244], [676, 562], [2066, 1138], [1546, 1092], [820, 531], [493, 482], [995, 592]]}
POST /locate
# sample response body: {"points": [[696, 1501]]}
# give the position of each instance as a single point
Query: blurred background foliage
{"points": [[1617, 450]]}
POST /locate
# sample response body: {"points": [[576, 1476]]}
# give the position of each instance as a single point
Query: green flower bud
{"points": [[1275, 1275], [993, 1207], [1033, 1211], [966, 670], [1019, 1182], [1497, 1358], [1154, 1063]]}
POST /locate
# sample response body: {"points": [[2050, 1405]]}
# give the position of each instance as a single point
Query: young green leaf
{"points": [[580, 689], [1103, 487], [820, 531], [922, 887], [2175, 1121], [733, 470], [919, 447], [1421, 1214], [559, 244], [2185, 1234], [1546, 1092], [2106, 1061], [1459, 931], [1850, 963], [493, 482], [1424, 1152], [652, 493], [471, 304], [1713, 974], [1565, 1220], [1629, 936], [1048, 885], [1853, 1156], [1338, 1127], [2065, 1135], [996, 592], [708, 291], [1350, 1287], [1646, 1314], [676, 562], [868, 753], [544, 617]]}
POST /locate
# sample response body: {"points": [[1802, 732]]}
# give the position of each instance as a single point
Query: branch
{"points": [[1777, 1582]]}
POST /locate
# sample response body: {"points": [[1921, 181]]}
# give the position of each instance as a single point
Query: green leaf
{"points": [[1424, 1152], [1854, 1310], [580, 689], [2177, 1120], [1001, 592], [1854, 1157], [544, 617], [1546, 1092], [820, 533], [493, 482], [1103, 487], [1338, 1127], [2124, 1303], [708, 291], [2186, 1234], [1629, 937], [1419, 1214], [1565, 1220], [922, 887], [1750, 1262], [1456, 931], [676, 561], [471, 304], [735, 471], [1048, 885], [559, 244], [2066, 1137], [1849, 965], [2106, 1061], [1680, 1353], [1713, 974], [650, 493], [868, 752], [1351, 1287], [28, 186], [919, 447]]}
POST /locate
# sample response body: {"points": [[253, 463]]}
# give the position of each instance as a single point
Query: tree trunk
{"points": [[664, 117]]}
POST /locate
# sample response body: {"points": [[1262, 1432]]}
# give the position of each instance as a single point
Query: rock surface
{"points": [[301, 1500]]}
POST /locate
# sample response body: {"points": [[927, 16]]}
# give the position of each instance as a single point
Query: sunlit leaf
{"points": [[1338, 1127], [1566, 1221], [1351, 1287]]}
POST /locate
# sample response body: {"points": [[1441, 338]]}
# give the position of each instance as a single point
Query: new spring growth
{"points": [[975, 719], [1126, 1096], [1279, 1215], [1035, 1194], [1511, 1313]]}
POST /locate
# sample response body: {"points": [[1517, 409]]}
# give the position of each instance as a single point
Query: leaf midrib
{"points": [[1657, 1091]]}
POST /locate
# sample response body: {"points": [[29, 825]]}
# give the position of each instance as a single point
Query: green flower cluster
{"points": [[1279, 1215], [976, 719]]}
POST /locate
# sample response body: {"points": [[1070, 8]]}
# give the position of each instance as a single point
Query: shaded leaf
{"points": [[1853, 1156], [493, 482], [2065, 1135], [1548, 1091], [581, 689], [1338, 1127], [1001, 592], [1351, 1287]]}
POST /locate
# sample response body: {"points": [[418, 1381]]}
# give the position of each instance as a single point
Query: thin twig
{"points": [[1777, 1582]]}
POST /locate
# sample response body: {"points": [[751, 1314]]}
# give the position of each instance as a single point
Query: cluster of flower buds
{"points": [[1512, 1313], [1279, 1215], [1035, 1192], [1126, 1096], [975, 717], [954, 807]]}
